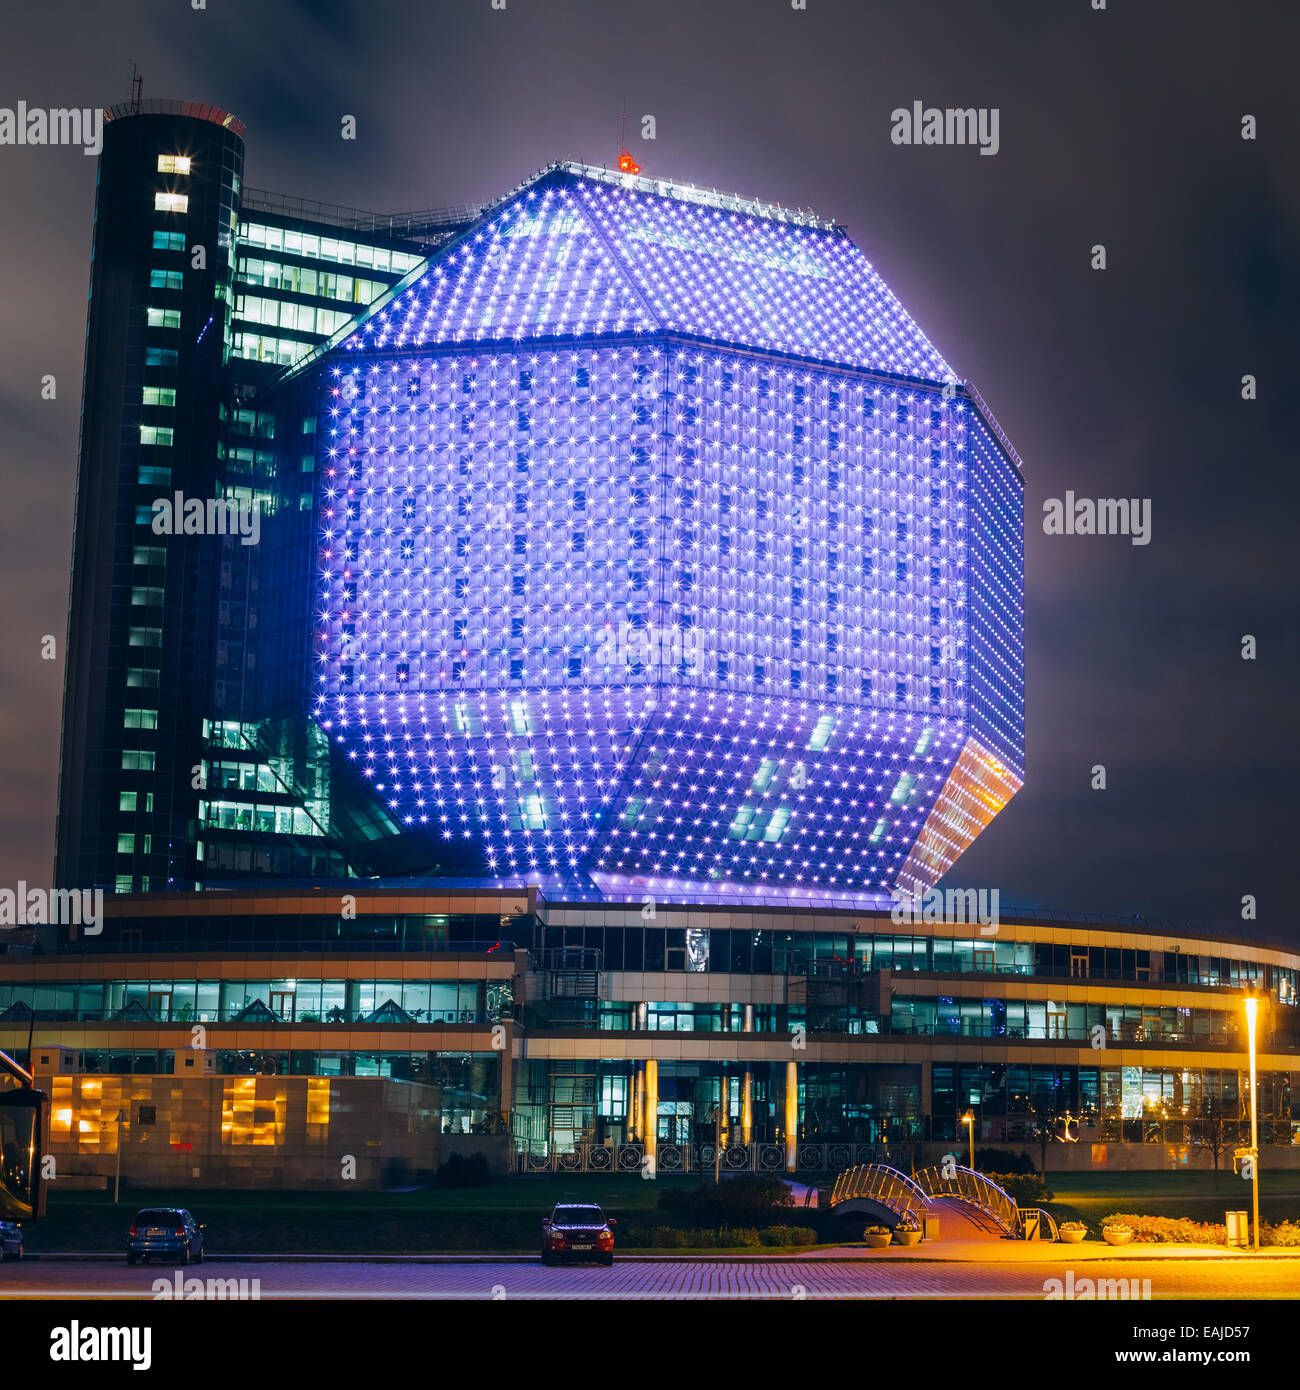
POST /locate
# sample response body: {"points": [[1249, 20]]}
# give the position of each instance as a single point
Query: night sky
{"points": [[1120, 127]]}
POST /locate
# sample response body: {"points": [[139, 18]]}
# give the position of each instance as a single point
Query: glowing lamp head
{"points": [[627, 164]]}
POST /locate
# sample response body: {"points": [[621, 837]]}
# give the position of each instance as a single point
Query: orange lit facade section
{"points": [[253, 1111], [979, 786], [84, 1111]]}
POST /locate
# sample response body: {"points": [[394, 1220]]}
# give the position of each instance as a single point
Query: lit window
{"points": [[156, 434], [822, 733], [139, 718], [165, 279], [164, 318], [164, 396], [171, 202], [173, 164]]}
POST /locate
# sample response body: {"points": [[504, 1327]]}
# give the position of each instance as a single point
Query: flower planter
{"points": [[907, 1237], [876, 1242], [1071, 1237], [1114, 1237]]}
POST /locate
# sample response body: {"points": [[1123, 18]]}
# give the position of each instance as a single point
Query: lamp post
{"points": [[1251, 1003], [121, 1139], [968, 1119]]}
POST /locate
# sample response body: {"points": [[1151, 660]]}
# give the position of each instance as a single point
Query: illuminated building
{"points": [[637, 604], [659, 545]]}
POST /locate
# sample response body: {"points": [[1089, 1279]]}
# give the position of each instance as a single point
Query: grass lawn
{"points": [[1091, 1196], [504, 1216], [507, 1215]]}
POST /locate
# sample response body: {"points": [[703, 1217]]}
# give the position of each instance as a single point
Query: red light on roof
{"points": [[627, 164]]}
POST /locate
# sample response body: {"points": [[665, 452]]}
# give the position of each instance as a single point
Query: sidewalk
{"points": [[977, 1252]]}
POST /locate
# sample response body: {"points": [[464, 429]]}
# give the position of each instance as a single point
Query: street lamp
{"points": [[1251, 1003], [121, 1138], [968, 1119]]}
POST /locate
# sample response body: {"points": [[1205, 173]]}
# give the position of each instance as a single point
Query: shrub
{"points": [[740, 1235], [460, 1171], [788, 1235], [748, 1199], [1072, 1226], [1002, 1161], [1167, 1230], [1284, 1233], [877, 1231], [670, 1238], [1027, 1189]]}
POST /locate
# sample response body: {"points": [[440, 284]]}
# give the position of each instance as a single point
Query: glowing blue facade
{"points": [[657, 543]]}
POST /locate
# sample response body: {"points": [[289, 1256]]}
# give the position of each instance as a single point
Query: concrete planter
{"points": [[1072, 1237], [876, 1242], [1114, 1237], [907, 1237]]}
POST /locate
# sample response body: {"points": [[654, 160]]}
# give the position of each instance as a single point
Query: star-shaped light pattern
{"points": [[628, 603]]}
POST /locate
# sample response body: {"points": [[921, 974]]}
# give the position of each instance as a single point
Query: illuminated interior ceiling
{"points": [[655, 540]]}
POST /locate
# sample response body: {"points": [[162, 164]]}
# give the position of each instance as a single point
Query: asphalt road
{"points": [[1239, 1277]]}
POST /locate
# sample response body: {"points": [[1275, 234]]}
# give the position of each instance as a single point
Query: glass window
{"points": [[171, 202], [173, 164]]}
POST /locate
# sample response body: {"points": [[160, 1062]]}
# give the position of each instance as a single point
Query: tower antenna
{"points": [[137, 89], [626, 163]]}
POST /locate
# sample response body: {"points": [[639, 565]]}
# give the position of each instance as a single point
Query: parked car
{"points": [[11, 1240], [577, 1232], [170, 1231]]}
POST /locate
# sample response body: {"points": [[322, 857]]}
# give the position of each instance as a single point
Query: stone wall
{"points": [[289, 1132]]}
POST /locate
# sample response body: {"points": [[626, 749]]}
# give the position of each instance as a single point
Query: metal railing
{"points": [[981, 406], [968, 1186], [256, 200], [881, 1184], [759, 1157], [1045, 1218]]}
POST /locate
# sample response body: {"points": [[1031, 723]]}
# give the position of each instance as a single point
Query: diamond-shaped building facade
{"points": [[659, 545]]}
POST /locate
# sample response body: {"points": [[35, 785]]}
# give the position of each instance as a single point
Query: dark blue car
{"points": [[11, 1240], [169, 1231]]}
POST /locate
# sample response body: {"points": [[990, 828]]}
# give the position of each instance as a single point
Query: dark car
{"points": [[169, 1231], [577, 1232], [11, 1240]]}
